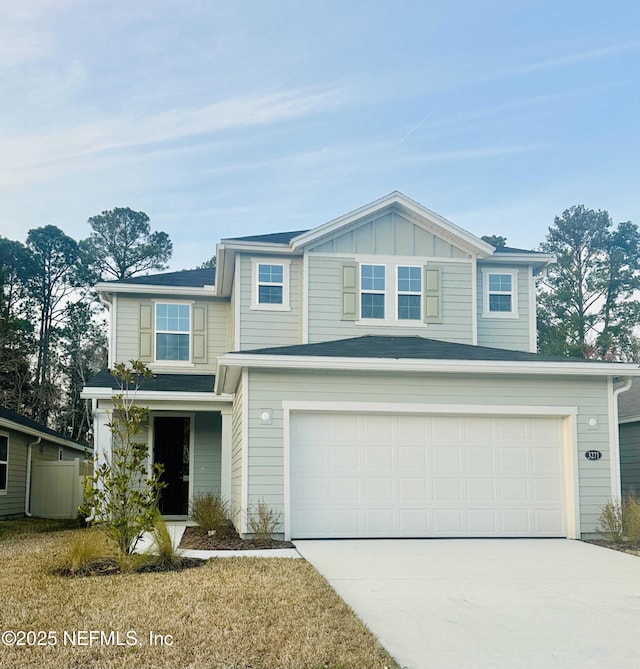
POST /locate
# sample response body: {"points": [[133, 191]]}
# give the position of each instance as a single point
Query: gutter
{"points": [[27, 493], [615, 442]]}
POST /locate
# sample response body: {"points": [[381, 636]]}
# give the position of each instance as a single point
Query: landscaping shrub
{"points": [[211, 511], [164, 554], [88, 549], [263, 522], [620, 520]]}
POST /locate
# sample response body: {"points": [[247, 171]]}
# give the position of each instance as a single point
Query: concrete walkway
{"points": [[490, 604]]}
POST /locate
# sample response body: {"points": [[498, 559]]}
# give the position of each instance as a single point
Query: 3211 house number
{"points": [[593, 455]]}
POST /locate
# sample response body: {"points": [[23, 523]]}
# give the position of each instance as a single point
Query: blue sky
{"points": [[222, 118]]}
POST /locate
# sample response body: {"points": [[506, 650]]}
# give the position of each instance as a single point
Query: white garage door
{"points": [[403, 475]]}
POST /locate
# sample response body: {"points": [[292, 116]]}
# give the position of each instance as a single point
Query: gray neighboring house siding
{"points": [[12, 501], [629, 416]]}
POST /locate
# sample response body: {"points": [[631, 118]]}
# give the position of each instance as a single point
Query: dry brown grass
{"points": [[231, 613]]}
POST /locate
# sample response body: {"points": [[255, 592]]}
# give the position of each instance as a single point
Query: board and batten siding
{"points": [[128, 327], [589, 395], [261, 328], [390, 234], [325, 304], [207, 452], [510, 333], [630, 458]]}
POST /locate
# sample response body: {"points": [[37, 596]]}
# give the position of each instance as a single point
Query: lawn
{"points": [[233, 612]]}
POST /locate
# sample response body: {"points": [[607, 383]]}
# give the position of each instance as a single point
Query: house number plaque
{"points": [[593, 455]]}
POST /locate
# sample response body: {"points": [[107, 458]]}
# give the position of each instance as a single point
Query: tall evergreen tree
{"points": [[122, 245], [587, 303]]}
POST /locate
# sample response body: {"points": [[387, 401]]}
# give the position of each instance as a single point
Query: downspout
{"points": [[27, 493], [615, 442]]}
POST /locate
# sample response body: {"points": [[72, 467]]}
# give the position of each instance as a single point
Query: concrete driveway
{"points": [[490, 603]]}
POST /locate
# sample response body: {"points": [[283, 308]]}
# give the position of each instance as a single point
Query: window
{"points": [[500, 297], [372, 291], [173, 328], [4, 462], [270, 290], [409, 293], [270, 284]]}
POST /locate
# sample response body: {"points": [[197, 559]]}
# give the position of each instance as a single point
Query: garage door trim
{"points": [[568, 413]]}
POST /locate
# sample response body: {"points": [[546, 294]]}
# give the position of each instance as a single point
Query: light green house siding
{"points": [[630, 458], [390, 234], [206, 453], [260, 328], [127, 327], [325, 304], [589, 395], [510, 333]]}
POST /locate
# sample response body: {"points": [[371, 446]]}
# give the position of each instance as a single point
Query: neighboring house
{"points": [[630, 439], [372, 377], [24, 443]]}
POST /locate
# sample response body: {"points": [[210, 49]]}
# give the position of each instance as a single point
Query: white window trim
{"points": [[384, 293], [157, 363], [486, 313], [285, 263], [391, 295], [3, 491], [399, 292]]}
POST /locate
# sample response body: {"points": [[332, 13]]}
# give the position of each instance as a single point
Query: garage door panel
{"points": [[359, 475]]}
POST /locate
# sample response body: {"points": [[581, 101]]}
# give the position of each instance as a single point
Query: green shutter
{"points": [[199, 333], [146, 332], [349, 292], [432, 295]]}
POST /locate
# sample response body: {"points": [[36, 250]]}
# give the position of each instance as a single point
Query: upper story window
{"points": [[173, 331], [270, 285], [500, 294], [372, 291], [409, 293], [4, 462]]}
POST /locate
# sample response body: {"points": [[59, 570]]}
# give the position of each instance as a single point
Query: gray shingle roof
{"points": [[419, 348], [188, 278], [19, 419], [511, 249], [189, 383], [271, 238]]}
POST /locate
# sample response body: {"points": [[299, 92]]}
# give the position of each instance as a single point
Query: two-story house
{"points": [[375, 376]]}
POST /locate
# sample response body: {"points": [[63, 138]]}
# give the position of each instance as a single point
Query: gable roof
{"points": [[16, 421], [413, 210]]}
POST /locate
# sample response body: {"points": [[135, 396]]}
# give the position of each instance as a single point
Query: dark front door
{"points": [[171, 449]]}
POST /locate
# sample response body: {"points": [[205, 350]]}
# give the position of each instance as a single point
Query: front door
{"points": [[171, 449]]}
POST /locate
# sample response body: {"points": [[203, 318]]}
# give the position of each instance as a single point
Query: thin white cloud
{"points": [[30, 152]]}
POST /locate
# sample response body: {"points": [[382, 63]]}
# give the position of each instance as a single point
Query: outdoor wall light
{"points": [[265, 416], [593, 423]]}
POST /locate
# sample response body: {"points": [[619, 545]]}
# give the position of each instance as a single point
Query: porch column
{"points": [[101, 436], [225, 454]]}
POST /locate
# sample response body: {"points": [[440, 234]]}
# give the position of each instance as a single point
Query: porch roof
{"points": [[177, 383]]}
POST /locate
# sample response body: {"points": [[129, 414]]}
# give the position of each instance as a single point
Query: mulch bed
{"points": [[110, 567], [197, 539], [632, 547]]}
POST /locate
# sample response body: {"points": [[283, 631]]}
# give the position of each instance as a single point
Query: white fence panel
{"points": [[56, 487]]}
